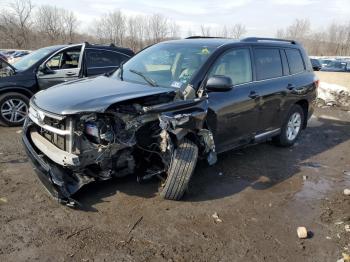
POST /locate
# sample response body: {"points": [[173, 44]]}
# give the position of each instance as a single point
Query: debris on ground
{"points": [[216, 218], [77, 232], [220, 173], [347, 192], [347, 173], [135, 224], [346, 258], [347, 228], [19, 131], [302, 232], [304, 178], [3, 200]]}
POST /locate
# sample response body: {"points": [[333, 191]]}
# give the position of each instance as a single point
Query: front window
{"points": [[67, 59], [166, 65], [29, 60]]}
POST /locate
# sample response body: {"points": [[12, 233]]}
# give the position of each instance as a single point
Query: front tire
{"points": [[292, 127], [182, 166], [13, 109]]}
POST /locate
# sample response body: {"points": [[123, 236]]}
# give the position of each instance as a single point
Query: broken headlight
{"points": [[99, 132]]}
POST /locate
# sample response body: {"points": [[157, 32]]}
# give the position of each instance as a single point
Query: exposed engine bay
{"points": [[132, 137]]}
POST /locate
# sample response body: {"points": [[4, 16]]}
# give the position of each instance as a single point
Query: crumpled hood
{"points": [[91, 95]]}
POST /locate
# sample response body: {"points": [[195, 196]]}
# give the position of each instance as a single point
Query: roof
{"points": [[218, 41], [215, 42], [126, 51]]}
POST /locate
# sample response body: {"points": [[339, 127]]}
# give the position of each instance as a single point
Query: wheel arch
{"points": [[21, 90]]}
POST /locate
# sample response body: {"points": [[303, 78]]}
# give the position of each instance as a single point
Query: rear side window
{"points": [[295, 61], [268, 63], [103, 58]]}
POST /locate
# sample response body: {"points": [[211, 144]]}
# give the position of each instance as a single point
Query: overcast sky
{"points": [[261, 17]]}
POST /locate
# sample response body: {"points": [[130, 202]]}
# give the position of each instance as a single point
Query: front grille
{"points": [[58, 130], [56, 139]]}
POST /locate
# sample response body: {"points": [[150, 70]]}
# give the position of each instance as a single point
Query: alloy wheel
{"points": [[294, 126], [14, 110]]}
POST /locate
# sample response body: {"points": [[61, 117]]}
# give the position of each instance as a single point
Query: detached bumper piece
{"points": [[60, 182]]}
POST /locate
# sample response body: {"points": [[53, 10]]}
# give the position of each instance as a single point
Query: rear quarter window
{"points": [[295, 61], [268, 63]]}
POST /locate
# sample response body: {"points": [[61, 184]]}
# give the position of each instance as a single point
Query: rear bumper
{"points": [[60, 182]]}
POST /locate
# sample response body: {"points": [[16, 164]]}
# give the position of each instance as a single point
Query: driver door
{"points": [[62, 67], [233, 115]]}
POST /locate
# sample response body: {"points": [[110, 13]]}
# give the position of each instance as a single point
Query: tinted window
{"points": [[102, 58], [235, 64], [295, 61], [268, 63]]}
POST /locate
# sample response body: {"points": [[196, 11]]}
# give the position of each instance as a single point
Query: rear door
{"points": [[271, 85], [233, 115], [100, 61], [63, 66]]}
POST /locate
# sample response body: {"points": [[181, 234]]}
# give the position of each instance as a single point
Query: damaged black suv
{"points": [[171, 104]]}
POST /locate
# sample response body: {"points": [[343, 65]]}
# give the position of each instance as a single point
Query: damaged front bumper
{"points": [[59, 181]]}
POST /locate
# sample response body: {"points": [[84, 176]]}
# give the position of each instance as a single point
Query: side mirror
{"points": [[219, 83], [46, 70]]}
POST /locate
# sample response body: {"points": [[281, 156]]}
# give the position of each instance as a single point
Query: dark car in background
{"points": [[316, 65], [337, 66], [50, 66], [168, 106], [17, 55]]}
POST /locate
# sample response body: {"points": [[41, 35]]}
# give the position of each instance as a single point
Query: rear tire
{"points": [[292, 127], [182, 166], [13, 109]]}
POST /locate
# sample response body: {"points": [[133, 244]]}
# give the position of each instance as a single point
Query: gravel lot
{"points": [[261, 194]]}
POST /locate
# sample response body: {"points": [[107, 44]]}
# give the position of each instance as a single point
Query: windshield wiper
{"points": [[147, 79]]}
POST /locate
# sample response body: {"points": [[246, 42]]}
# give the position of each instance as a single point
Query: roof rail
{"points": [[257, 39], [198, 37]]}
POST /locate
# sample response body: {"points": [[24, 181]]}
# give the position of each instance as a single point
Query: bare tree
{"points": [[173, 30], [280, 33], [15, 22], [237, 31], [205, 30], [111, 27], [133, 38], [70, 26], [299, 29], [49, 20], [157, 28]]}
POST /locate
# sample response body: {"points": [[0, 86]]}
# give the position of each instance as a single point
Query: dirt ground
{"points": [[338, 78], [261, 194]]}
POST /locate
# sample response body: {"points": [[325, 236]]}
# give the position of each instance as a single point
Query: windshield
{"points": [[28, 60], [166, 65]]}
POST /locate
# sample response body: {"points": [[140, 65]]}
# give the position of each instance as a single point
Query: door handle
{"points": [[290, 86], [70, 73], [253, 95]]}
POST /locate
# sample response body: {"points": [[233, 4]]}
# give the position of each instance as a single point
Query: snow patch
{"points": [[333, 94]]}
